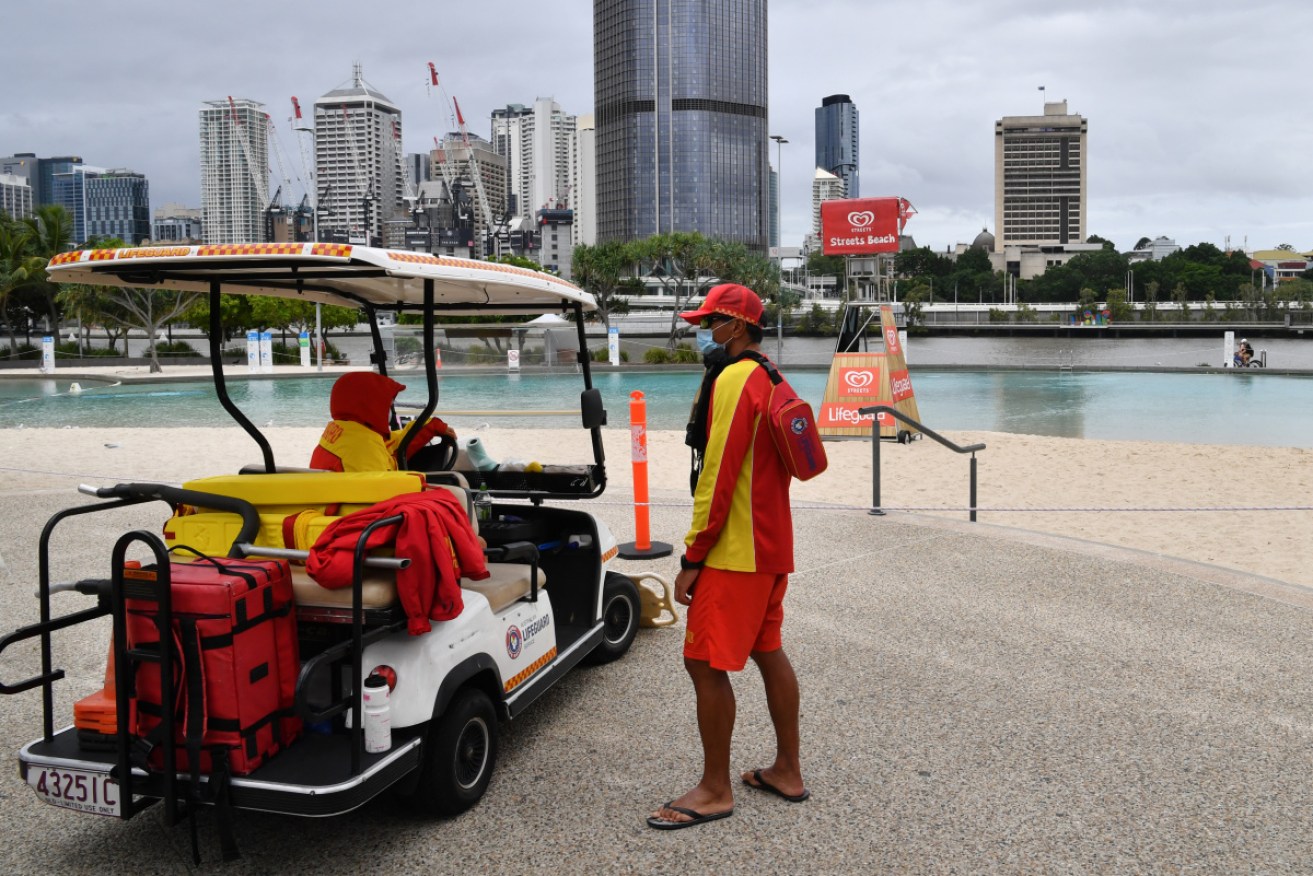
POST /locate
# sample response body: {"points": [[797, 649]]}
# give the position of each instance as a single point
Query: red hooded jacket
{"points": [[360, 437], [430, 587]]}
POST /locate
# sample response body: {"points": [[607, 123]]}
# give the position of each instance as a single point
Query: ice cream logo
{"points": [[861, 219]]}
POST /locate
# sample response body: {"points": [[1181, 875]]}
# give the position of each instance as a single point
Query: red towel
{"points": [[430, 587]]}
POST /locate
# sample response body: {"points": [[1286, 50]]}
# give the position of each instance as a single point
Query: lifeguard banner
{"points": [[863, 226], [859, 380]]}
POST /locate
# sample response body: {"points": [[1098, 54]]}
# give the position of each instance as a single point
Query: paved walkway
{"points": [[975, 700]]}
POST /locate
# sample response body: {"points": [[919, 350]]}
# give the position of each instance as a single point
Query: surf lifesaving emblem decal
{"points": [[514, 642]]}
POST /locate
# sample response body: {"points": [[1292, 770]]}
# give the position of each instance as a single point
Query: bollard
{"points": [[642, 547]]}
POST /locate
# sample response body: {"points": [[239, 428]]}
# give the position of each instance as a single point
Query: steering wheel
{"points": [[439, 455]]}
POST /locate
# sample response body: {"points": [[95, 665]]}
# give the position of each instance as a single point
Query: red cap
{"points": [[730, 299], [364, 397]]}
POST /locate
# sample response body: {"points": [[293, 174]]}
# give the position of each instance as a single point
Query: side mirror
{"points": [[590, 404]]}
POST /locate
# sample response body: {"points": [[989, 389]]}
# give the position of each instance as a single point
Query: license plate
{"points": [[79, 790]]}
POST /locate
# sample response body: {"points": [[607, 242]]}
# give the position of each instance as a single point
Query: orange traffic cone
{"points": [[96, 716]]}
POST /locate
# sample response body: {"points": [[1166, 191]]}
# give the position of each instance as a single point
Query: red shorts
{"points": [[734, 614]]}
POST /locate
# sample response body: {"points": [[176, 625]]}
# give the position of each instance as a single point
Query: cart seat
{"points": [[506, 583]]}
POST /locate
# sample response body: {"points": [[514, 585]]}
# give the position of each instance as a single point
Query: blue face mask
{"points": [[707, 343]]}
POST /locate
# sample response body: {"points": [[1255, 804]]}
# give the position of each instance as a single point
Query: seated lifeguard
{"points": [[360, 437]]}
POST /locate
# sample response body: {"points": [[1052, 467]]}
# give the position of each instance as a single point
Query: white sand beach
{"points": [[1048, 476]]}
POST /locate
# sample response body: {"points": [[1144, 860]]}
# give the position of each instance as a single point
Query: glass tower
{"points": [[836, 140], [681, 96]]}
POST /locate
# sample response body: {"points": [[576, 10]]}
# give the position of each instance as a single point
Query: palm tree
{"points": [[18, 266], [50, 230]]}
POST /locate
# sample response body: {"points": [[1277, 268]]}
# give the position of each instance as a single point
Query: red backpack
{"points": [[792, 424]]}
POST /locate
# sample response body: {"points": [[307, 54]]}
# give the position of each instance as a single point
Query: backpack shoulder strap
{"points": [[771, 370]]}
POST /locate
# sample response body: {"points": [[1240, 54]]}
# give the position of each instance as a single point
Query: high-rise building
{"points": [[680, 89], [825, 187], [39, 173], [1040, 165], [234, 170], [456, 165], [508, 140], [583, 182], [537, 142], [15, 196], [837, 140], [117, 205], [359, 164], [69, 190]]}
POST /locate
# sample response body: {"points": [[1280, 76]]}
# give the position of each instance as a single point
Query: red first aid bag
{"points": [[793, 425], [234, 632]]}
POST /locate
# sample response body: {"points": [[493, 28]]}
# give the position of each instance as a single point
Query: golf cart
{"points": [[549, 603]]}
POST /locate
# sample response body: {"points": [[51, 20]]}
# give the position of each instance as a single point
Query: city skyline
{"points": [[1195, 135]]}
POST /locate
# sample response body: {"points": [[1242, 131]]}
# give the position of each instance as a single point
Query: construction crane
{"points": [[488, 221], [445, 163], [410, 192]]}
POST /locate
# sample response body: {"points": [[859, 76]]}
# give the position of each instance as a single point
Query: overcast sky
{"points": [[1199, 118]]}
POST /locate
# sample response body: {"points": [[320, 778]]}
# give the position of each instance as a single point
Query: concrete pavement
{"points": [[975, 700]]}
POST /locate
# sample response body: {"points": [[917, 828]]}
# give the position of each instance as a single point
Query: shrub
{"points": [[603, 354], [686, 355], [997, 314], [177, 348], [656, 356]]}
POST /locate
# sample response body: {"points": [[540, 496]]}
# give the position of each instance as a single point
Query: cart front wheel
{"points": [[620, 612]]}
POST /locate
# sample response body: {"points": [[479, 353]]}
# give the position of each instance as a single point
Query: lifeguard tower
{"points": [[860, 377]]}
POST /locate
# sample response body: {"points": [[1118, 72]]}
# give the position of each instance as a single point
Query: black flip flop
{"points": [[697, 818], [763, 785]]}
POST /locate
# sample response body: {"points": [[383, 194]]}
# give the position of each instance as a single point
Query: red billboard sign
{"points": [[861, 226]]}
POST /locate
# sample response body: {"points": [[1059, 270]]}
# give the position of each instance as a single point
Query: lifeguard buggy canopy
{"points": [[328, 273]]}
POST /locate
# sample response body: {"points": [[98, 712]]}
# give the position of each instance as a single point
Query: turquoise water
{"points": [[1217, 408]]}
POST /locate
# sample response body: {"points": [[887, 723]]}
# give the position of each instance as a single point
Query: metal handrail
{"points": [[875, 411]]}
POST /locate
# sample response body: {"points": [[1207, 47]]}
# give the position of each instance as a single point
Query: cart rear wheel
{"points": [[620, 612], [459, 755]]}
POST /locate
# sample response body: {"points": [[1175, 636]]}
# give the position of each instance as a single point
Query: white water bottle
{"points": [[378, 718]]}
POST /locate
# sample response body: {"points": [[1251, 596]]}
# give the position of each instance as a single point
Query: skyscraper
{"points": [[234, 170], [359, 163], [15, 196], [680, 91], [1039, 178], [538, 142], [826, 186], [39, 173], [69, 189], [118, 205], [583, 181], [837, 140]]}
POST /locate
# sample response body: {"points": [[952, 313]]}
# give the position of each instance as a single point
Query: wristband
{"points": [[686, 563]]}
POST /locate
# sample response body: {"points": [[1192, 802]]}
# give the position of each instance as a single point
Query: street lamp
{"points": [[779, 223]]}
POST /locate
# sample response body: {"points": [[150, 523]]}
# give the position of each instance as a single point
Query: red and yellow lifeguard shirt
{"points": [[741, 516]]}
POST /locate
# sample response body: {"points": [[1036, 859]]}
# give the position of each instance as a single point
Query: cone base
{"points": [[630, 551]]}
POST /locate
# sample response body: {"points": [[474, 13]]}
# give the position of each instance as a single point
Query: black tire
{"points": [[460, 754], [621, 610], [904, 437]]}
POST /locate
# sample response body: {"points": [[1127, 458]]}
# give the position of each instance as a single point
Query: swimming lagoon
{"points": [[1207, 408]]}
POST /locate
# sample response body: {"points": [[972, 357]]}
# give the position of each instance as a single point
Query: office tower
{"points": [[359, 164], [176, 223], [583, 182], [474, 177], [69, 190], [234, 170], [680, 90], [837, 140], [117, 205], [39, 173], [1040, 167], [418, 165], [825, 187], [15, 196]]}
